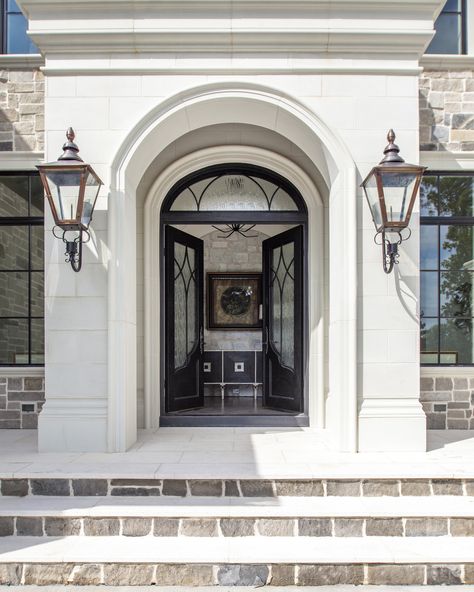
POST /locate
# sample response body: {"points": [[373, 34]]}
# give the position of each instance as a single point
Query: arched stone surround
{"points": [[247, 105]]}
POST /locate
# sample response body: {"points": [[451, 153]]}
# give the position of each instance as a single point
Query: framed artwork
{"points": [[233, 300]]}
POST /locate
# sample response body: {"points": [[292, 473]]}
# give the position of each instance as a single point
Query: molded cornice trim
{"points": [[340, 41], [21, 61], [447, 62]]}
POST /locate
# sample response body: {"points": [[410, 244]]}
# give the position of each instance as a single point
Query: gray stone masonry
{"points": [[21, 400], [448, 402], [21, 110], [251, 488], [447, 111], [233, 574]]}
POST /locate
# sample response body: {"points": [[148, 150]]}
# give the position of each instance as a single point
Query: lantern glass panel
{"points": [[372, 195], [398, 190], [91, 190], [65, 189]]}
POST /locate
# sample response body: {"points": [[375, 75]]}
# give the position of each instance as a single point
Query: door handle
{"points": [[201, 340], [265, 343]]}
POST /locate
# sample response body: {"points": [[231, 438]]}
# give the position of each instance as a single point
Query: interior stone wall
{"points": [[235, 253]]}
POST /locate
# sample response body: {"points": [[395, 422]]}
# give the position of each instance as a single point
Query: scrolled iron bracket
{"points": [[73, 250]]}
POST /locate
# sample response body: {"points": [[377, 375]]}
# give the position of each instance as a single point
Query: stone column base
{"points": [[391, 425]]}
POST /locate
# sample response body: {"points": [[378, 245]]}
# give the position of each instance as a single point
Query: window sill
{"points": [[21, 60], [447, 371], [21, 371], [447, 62]]}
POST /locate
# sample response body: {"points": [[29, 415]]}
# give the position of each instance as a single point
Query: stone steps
{"points": [[236, 561], [233, 517], [205, 532]]}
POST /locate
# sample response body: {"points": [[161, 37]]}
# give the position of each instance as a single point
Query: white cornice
{"points": [[448, 161], [324, 41], [20, 161], [447, 62], [11, 60]]}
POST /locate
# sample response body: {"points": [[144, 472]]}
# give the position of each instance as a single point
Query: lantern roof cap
{"points": [[70, 148], [391, 150]]}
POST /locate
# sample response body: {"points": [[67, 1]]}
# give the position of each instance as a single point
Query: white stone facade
{"points": [[156, 92]]}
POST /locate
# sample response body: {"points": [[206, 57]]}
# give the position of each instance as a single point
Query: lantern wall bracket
{"points": [[73, 250], [390, 252]]}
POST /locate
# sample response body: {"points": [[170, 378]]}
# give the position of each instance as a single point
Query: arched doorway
{"points": [[210, 375]]}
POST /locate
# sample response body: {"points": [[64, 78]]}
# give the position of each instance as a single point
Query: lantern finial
{"points": [[391, 150], [70, 148]]}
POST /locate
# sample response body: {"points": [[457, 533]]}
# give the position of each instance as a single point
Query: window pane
{"points": [[37, 247], [13, 247], [456, 294], [17, 39], [37, 197], [429, 196], [455, 196], [456, 341], [37, 341], [429, 340], [14, 294], [37, 294], [447, 38], [429, 294], [456, 247], [452, 6], [13, 196], [429, 247], [13, 341]]}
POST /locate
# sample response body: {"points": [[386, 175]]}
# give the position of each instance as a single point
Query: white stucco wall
{"points": [[357, 96]]}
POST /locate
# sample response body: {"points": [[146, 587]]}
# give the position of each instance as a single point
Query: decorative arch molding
{"points": [[254, 105]]}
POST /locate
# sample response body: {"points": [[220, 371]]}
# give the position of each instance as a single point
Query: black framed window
{"points": [[450, 26], [21, 270], [14, 27], [447, 268]]}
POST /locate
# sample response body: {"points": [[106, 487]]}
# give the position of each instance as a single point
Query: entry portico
{"points": [[321, 127]]}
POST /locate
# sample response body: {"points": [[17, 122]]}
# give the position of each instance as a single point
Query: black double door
{"points": [[282, 321]]}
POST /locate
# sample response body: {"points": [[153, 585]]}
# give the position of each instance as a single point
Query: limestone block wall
{"points": [[447, 110], [21, 400], [448, 402]]}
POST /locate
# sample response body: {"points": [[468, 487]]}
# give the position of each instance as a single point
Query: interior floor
{"points": [[233, 406]]}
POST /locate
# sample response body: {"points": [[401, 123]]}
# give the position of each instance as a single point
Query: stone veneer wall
{"points": [[21, 110], [21, 400], [447, 111], [239, 254], [448, 402]]}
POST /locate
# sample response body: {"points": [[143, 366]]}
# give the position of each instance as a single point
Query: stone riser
{"points": [[236, 488], [172, 574], [235, 527]]}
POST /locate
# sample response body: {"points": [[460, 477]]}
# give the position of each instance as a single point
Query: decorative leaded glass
{"points": [[282, 291], [185, 303], [233, 192]]}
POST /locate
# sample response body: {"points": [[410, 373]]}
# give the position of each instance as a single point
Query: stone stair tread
{"points": [[255, 507], [252, 550]]}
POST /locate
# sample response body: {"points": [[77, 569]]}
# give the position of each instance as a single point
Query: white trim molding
{"points": [[447, 62], [448, 161], [427, 371], [195, 109], [28, 371], [246, 155], [23, 61], [20, 161]]}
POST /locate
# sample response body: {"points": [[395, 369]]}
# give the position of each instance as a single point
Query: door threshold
{"points": [[235, 421]]}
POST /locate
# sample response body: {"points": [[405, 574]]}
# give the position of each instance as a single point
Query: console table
{"points": [[228, 367]]}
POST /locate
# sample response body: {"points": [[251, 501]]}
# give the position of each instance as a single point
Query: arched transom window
{"points": [[234, 187]]}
